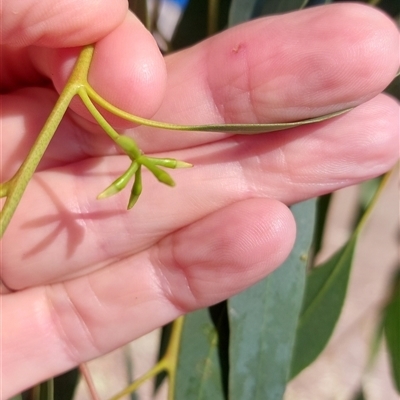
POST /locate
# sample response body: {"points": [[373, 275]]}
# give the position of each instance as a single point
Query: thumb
{"points": [[61, 23]]}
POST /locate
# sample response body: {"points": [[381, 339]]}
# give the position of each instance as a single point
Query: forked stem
{"points": [[78, 84], [167, 364], [15, 187]]}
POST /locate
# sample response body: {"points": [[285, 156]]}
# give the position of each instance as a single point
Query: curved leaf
{"points": [[392, 332], [139, 8], [325, 293], [193, 26], [263, 321], [269, 7], [198, 374], [241, 11], [323, 203], [324, 297], [89, 96], [65, 385]]}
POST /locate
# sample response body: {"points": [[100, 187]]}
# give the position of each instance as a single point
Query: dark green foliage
{"points": [[263, 321], [193, 26], [199, 376], [392, 330], [323, 301]]}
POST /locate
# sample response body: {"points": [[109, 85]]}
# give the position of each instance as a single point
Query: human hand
{"points": [[81, 276]]}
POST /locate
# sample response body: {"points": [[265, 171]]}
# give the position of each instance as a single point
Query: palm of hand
{"points": [[88, 266]]}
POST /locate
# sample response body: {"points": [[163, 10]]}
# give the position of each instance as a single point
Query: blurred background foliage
{"points": [[252, 345]]}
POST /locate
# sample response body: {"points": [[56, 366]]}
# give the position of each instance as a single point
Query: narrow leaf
{"points": [[359, 395], [392, 332], [269, 7], [241, 129], [219, 316], [139, 8], [263, 321], [43, 391], [324, 297], [65, 385], [367, 192], [193, 26], [198, 370], [325, 293], [241, 11], [323, 203]]}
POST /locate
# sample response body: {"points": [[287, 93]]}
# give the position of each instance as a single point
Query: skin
{"points": [[82, 277]]}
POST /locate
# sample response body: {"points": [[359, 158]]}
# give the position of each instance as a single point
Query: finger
{"points": [[283, 68], [61, 24], [128, 57], [67, 223], [53, 329], [343, 67], [45, 24]]}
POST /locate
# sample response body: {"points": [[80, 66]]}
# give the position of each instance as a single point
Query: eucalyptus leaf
{"points": [[323, 203], [324, 297], [140, 9], [43, 391], [198, 369], [388, 6], [242, 129], [193, 26], [269, 7], [392, 331], [359, 395], [263, 321], [65, 385], [252, 129], [241, 11]]}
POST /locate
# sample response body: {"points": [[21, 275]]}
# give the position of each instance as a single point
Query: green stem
{"points": [[15, 187], [126, 143], [18, 184], [168, 364], [172, 354], [96, 115], [374, 200], [242, 129], [213, 14]]}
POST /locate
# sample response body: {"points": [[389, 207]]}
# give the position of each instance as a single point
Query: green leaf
{"points": [[241, 129], [324, 297], [367, 192], [359, 395], [389, 6], [43, 391], [269, 7], [392, 331], [139, 8], [193, 26], [219, 316], [241, 11], [198, 370], [325, 294], [323, 203], [65, 385], [263, 321]]}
